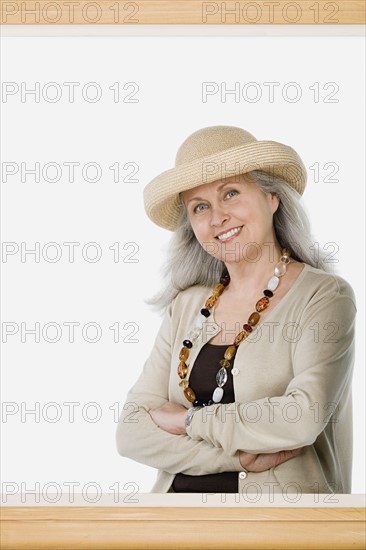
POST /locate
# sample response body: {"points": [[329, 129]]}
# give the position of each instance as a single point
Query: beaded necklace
{"points": [[229, 355]]}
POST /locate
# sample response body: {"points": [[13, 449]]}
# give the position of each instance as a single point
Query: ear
{"points": [[275, 202]]}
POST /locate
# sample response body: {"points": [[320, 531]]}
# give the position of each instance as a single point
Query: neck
{"points": [[251, 272]]}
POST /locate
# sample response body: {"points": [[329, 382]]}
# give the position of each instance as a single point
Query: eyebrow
{"points": [[219, 188]]}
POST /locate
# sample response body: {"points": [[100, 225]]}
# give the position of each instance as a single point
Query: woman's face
{"points": [[231, 217]]}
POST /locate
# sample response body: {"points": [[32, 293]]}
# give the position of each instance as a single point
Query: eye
{"points": [[231, 193], [200, 207]]}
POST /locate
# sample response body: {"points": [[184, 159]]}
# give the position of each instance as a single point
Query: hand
{"points": [[262, 462], [171, 418]]}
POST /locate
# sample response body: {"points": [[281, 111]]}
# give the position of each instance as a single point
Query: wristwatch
{"points": [[190, 414]]}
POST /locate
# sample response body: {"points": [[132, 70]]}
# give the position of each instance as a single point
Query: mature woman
{"points": [[248, 386]]}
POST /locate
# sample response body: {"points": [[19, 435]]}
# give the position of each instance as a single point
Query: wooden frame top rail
{"points": [[184, 528], [182, 12]]}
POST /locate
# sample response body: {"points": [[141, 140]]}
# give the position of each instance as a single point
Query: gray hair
{"points": [[189, 264]]}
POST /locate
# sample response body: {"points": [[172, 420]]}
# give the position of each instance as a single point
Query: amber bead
{"points": [[218, 290], [285, 252], [189, 394], [184, 384], [183, 354], [254, 318], [247, 327], [240, 337], [182, 369], [262, 304], [268, 293], [230, 352], [210, 302], [224, 363]]}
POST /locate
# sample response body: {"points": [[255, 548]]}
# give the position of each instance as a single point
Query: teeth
{"points": [[229, 234]]}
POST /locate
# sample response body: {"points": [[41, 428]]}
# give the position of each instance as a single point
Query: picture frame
{"points": [[159, 521]]}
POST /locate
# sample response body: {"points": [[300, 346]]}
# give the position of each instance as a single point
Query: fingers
{"points": [[264, 461], [294, 451], [283, 456]]}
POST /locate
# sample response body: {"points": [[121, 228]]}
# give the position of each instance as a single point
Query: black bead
{"points": [[205, 312], [225, 279], [268, 293], [187, 343]]}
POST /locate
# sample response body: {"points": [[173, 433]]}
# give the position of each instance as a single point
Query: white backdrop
{"points": [[135, 100]]}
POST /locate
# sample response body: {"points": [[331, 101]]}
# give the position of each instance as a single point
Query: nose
{"points": [[219, 215]]}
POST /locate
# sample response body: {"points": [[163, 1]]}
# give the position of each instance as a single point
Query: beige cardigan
{"points": [[292, 389]]}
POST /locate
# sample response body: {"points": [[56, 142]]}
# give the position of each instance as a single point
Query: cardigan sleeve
{"points": [[322, 367], [140, 439]]}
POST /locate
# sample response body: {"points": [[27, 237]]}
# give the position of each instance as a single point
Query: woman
{"points": [[248, 386]]}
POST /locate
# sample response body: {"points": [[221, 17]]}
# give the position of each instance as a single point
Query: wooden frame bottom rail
{"points": [[106, 528]]}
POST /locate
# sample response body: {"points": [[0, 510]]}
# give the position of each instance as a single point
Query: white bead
{"points": [[235, 371], [243, 475], [217, 395], [199, 321], [280, 269], [273, 283]]}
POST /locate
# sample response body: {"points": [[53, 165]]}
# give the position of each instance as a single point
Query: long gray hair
{"points": [[189, 264]]}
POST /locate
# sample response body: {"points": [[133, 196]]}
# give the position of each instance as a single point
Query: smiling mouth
{"points": [[229, 234]]}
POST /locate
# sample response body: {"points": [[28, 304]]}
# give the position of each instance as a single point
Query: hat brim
{"points": [[161, 195]]}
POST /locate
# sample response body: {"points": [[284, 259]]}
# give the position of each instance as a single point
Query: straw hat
{"points": [[215, 153]]}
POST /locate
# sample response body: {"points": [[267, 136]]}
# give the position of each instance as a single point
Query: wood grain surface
{"points": [[182, 12], [184, 528]]}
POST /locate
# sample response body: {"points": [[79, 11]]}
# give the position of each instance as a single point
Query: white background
{"points": [[169, 72]]}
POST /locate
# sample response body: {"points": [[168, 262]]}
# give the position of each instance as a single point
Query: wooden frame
{"points": [[182, 12], [184, 528], [96, 527]]}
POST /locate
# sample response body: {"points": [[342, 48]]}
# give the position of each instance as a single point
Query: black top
{"points": [[203, 381]]}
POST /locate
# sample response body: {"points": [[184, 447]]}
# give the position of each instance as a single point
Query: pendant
{"points": [[221, 377], [217, 395]]}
